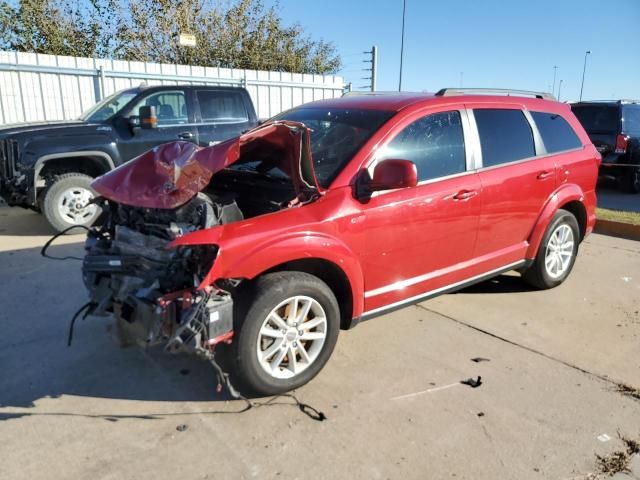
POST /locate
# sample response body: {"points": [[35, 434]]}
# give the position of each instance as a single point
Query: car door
{"points": [[175, 122], [421, 239], [517, 180], [222, 114]]}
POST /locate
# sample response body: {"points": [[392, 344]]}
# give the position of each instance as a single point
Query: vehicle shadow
{"points": [[500, 284], [39, 297], [15, 221]]}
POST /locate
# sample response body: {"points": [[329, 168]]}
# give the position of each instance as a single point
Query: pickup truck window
{"points": [[171, 107], [598, 119], [222, 106], [108, 107], [631, 120]]}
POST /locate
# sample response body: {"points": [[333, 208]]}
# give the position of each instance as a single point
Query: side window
{"points": [[557, 134], [435, 143], [222, 106], [171, 107], [505, 136], [631, 120]]}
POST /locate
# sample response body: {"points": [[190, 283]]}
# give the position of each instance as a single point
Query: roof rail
{"points": [[358, 93], [446, 92]]}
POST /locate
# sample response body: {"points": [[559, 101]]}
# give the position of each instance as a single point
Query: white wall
{"points": [[35, 87]]}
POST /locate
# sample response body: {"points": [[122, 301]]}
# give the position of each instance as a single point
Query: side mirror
{"points": [[148, 118], [134, 122], [394, 173]]}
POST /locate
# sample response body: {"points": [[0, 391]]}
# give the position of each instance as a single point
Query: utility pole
{"points": [[559, 88], [404, 10], [584, 69], [555, 70], [374, 69]]}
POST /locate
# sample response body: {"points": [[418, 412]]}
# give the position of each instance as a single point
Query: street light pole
{"points": [[559, 88], [404, 9], [555, 70], [584, 69]]}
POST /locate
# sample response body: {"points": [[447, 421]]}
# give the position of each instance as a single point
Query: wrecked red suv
{"points": [[332, 213]]}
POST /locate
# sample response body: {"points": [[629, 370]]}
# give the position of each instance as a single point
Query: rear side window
{"points": [[598, 119], [557, 134], [631, 120], [435, 143], [505, 136], [222, 106]]}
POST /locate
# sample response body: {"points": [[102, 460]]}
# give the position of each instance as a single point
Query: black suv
{"points": [[614, 129], [49, 166]]}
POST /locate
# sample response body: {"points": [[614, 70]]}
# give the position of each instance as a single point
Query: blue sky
{"points": [[496, 43]]}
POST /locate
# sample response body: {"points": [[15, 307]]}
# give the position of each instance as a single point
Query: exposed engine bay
{"points": [[155, 293]]}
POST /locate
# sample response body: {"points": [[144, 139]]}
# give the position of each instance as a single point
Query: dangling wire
{"points": [[88, 309]]}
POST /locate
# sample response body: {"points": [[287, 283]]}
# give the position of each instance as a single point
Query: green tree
{"points": [[239, 34]]}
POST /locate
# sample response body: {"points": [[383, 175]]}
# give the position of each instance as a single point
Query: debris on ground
{"points": [[182, 427], [603, 438], [618, 461], [628, 390], [480, 359], [472, 382]]}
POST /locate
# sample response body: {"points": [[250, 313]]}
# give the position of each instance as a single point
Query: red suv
{"points": [[332, 213]]}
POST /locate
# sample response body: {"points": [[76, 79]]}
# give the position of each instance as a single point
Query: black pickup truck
{"points": [[49, 166], [614, 129]]}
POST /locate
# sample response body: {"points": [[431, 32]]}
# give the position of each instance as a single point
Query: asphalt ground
{"points": [[554, 363]]}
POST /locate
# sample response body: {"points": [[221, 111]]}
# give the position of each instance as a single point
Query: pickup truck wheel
{"points": [[631, 180], [288, 333], [66, 201], [557, 252]]}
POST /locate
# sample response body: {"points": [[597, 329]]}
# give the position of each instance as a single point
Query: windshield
{"points": [[108, 107], [336, 135], [596, 119]]}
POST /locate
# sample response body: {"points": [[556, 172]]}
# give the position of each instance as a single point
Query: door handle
{"points": [[463, 195], [185, 135], [545, 174]]}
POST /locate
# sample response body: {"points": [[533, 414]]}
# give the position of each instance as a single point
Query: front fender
{"points": [[564, 194], [246, 257]]}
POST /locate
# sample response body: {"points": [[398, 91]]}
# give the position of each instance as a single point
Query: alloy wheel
{"points": [[291, 337], [559, 251]]}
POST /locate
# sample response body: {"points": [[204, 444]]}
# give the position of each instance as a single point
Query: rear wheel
{"points": [[557, 252], [288, 332], [631, 180], [66, 202]]}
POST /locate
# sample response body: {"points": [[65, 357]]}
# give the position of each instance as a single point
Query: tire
{"points": [[562, 230], [631, 180], [58, 202], [259, 300]]}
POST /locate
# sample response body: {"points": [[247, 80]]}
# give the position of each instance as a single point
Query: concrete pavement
{"points": [[391, 391]]}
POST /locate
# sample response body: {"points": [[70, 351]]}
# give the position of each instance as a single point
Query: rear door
{"points": [[222, 114], [516, 183]]}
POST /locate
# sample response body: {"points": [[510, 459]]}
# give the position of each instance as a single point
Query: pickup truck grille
{"points": [[8, 157]]}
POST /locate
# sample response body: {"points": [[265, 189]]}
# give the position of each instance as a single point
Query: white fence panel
{"points": [[36, 87]]}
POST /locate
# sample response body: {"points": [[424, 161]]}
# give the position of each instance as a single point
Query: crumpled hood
{"points": [[171, 174]]}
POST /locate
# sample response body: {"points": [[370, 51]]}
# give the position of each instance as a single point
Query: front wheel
{"points": [[66, 202], [288, 332], [557, 252]]}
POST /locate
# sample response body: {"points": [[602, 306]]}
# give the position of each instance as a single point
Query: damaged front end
{"points": [[160, 294], [154, 292]]}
